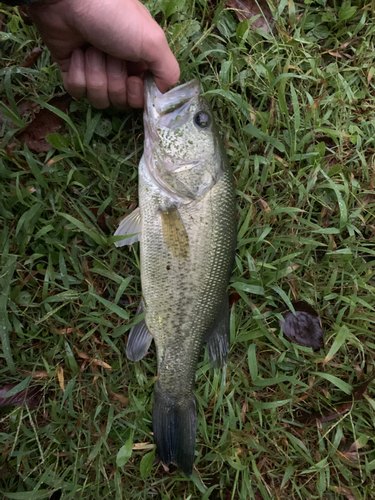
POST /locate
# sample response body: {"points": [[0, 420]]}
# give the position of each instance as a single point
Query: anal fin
{"points": [[129, 227], [217, 337], [139, 339]]}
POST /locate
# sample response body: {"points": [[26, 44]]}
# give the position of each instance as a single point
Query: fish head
{"points": [[182, 147]]}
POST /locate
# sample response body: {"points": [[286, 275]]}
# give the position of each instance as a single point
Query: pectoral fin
{"points": [[174, 234], [217, 337], [139, 339], [129, 227]]}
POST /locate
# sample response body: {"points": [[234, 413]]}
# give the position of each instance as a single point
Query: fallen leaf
{"points": [[293, 286], [60, 376], [370, 74], [317, 102], [82, 355], [101, 363], [44, 123], [344, 491], [335, 54], [341, 408], [243, 412], [233, 297], [32, 57], [30, 397], [247, 9], [143, 446], [36, 374], [119, 397], [303, 327], [101, 220], [264, 205], [64, 331]]}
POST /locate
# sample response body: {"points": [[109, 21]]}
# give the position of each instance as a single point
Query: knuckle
{"points": [[97, 87], [117, 88]]}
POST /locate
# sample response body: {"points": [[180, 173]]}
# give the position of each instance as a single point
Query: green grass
{"points": [[297, 113]]}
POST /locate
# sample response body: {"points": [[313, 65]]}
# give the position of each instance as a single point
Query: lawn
{"points": [[296, 108]]}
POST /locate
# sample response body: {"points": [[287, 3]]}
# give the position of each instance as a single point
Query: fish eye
{"points": [[202, 119]]}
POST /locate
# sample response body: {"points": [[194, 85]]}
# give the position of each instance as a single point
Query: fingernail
{"points": [[78, 59], [95, 58], [114, 66]]}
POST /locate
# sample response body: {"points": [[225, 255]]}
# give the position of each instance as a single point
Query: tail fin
{"points": [[175, 425]]}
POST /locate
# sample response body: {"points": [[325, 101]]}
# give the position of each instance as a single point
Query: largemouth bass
{"points": [[186, 225]]}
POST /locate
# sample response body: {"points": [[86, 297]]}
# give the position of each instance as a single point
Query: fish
{"points": [[186, 225]]}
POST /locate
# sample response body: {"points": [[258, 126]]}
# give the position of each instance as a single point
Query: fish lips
{"points": [[159, 105]]}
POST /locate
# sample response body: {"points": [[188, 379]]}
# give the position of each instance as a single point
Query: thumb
{"points": [[160, 59]]}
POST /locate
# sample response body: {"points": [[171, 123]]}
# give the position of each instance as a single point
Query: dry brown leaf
{"points": [[370, 74], [334, 246], [51, 161], [264, 205], [351, 454], [143, 446], [335, 54], [119, 397], [44, 123], [344, 491], [247, 9], [316, 103], [294, 287], [243, 412], [341, 408], [281, 160], [347, 456], [101, 219], [64, 331], [36, 374], [82, 355], [60, 376], [344, 45], [101, 363], [30, 397], [32, 57]]}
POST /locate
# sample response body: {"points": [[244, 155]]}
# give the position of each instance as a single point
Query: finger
{"points": [[136, 68], [75, 78], [116, 75], [161, 60], [135, 92], [96, 78]]}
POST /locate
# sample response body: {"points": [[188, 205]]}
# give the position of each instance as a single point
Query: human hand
{"points": [[104, 47]]}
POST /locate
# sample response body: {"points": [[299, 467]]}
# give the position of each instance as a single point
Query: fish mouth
{"points": [[159, 105]]}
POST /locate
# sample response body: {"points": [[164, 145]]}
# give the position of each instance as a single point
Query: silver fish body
{"points": [[187, 232]]}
